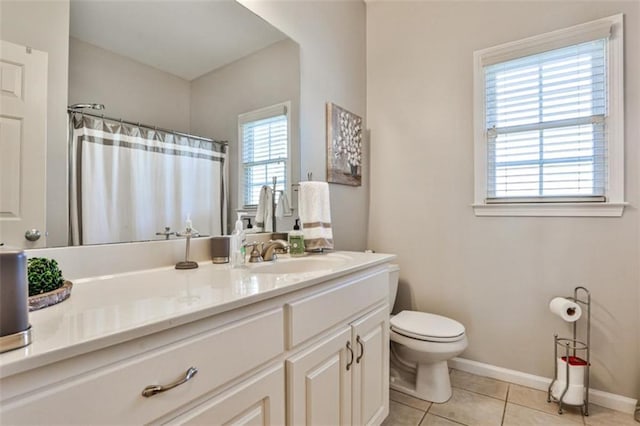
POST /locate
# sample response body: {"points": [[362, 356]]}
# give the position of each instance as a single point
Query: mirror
{"points": [[187, 66]]}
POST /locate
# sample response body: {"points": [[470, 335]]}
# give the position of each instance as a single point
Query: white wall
{"points": [[494, 274], [48, 31], [262, 79], [331, 35], [129, 89]]}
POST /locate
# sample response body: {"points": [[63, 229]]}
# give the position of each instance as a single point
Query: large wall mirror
{"points": [[184, 67]]}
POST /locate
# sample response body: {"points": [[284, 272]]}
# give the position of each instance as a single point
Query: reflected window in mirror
{"points": [[265, 144]]}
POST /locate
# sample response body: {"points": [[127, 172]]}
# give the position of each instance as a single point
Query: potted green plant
{"points": [[47, 285]]}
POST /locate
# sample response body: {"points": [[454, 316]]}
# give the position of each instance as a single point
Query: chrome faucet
{"points": [[269, 251]]}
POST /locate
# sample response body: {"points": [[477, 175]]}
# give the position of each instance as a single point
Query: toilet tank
{"points": [[394, 276]]}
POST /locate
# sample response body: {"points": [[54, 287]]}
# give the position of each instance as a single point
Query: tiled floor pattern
{"points": [[487, 402]]}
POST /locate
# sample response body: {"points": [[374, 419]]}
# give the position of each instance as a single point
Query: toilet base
{"points": [[431, 383]]}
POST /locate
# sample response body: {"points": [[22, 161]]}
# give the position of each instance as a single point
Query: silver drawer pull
{"points": [[154, 389]]}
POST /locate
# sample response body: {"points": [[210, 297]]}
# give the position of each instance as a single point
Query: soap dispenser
{"points": [[237, 248], [296, 240]]}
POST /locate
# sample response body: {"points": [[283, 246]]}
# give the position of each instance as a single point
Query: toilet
{"points": [[421, 345]]}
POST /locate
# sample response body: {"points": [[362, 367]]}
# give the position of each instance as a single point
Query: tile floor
{"points": [[487, 402]]}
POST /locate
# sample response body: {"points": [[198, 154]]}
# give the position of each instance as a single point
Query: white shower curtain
{"points": [[127, 182]]}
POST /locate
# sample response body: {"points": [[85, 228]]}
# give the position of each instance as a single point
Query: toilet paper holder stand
{"points": [[572, 348]]}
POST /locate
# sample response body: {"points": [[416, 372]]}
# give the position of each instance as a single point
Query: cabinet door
{"points": [[319, 384], [370, 335], [258, 401]]}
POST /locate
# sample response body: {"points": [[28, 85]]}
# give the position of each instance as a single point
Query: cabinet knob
{"points": [[154, 389], [351, 353]]}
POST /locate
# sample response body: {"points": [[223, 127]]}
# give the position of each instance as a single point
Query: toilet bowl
{"points": [[421, 345]]}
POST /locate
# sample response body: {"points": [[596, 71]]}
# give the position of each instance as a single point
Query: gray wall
{"points": [[128, 89], [48, 31], [494, 274], [331, 35], [265, 78]]}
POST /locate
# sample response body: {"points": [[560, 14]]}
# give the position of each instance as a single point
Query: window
{"points": [[549, 124], [264, 151]]}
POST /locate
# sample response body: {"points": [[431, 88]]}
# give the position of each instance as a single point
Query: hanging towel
{"points": [[315, 215], [283, 206], [264, 214]]}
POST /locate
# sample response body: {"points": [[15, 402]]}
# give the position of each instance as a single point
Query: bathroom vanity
{"points": [[297, 341]]}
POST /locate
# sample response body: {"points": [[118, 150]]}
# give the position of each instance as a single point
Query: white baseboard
{"points": [[604, 399]]}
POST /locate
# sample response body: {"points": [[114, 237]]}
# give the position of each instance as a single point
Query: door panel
{"points": [[319, 384], [23, 110], [371, 372]]}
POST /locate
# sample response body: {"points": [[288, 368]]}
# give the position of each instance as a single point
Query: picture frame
{"points": [[344, 146]]}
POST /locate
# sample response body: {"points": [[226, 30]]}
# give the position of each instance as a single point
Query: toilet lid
{"points": [[428, 327]]}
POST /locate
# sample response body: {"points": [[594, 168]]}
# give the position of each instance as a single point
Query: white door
{"points": [[319, 384], [23, 137], [371, 373]]}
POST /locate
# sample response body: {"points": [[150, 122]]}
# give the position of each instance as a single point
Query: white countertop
{"points": [[112, 309]]}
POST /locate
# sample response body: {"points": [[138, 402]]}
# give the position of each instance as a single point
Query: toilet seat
{"points": [[427, 327]]}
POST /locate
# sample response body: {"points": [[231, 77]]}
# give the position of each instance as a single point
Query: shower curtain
{"points": [[128, 183]]}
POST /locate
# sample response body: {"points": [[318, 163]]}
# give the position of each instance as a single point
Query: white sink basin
{"points": [[293, 265]]}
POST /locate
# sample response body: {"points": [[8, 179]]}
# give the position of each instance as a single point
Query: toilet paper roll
{"points": [[566, 309]]}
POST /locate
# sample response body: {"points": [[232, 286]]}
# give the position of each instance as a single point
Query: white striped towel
{"points": [[315, 215], [264, 213]]}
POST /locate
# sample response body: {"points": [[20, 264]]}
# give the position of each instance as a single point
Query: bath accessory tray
{"points": [[49, 298]]}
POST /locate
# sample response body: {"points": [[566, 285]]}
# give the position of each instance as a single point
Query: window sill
{"points": [[551, 209]]}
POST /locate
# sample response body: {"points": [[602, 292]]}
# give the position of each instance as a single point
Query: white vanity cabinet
{"points": [[312, 354], [343, 377]]}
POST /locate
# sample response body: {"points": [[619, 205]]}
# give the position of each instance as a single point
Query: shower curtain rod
{"points": [[120, 120]]}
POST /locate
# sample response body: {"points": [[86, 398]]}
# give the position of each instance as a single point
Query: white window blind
{"points": [[265, 146], [546, 126]]}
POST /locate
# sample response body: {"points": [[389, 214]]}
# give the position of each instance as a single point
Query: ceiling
{"points": [[186, 38]]}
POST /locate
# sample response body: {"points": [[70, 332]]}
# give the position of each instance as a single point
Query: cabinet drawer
{"points": [[318, 312], [113, 394], [258, 400]]}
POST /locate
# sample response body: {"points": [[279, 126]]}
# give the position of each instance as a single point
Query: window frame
{"points": [[282, 108], [614, 203]]}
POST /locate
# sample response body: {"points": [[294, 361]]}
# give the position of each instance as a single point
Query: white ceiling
{"points": [[187, 38]]}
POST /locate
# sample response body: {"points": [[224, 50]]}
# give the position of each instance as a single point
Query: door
{"points": [[370, 335], [319, 383], [23, 111], [258, 401]]}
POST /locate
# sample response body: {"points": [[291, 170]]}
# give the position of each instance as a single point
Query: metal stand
{"points": [[571, 347], [186, 263]]}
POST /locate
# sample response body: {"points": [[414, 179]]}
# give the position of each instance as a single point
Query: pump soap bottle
{"points": [[237, 248], [296, 240]]}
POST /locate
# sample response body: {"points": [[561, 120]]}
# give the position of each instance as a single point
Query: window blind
{"points": [[264, 155], [546, 126]]}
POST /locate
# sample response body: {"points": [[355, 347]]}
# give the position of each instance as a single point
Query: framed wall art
{"points": [[344, 146]]}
